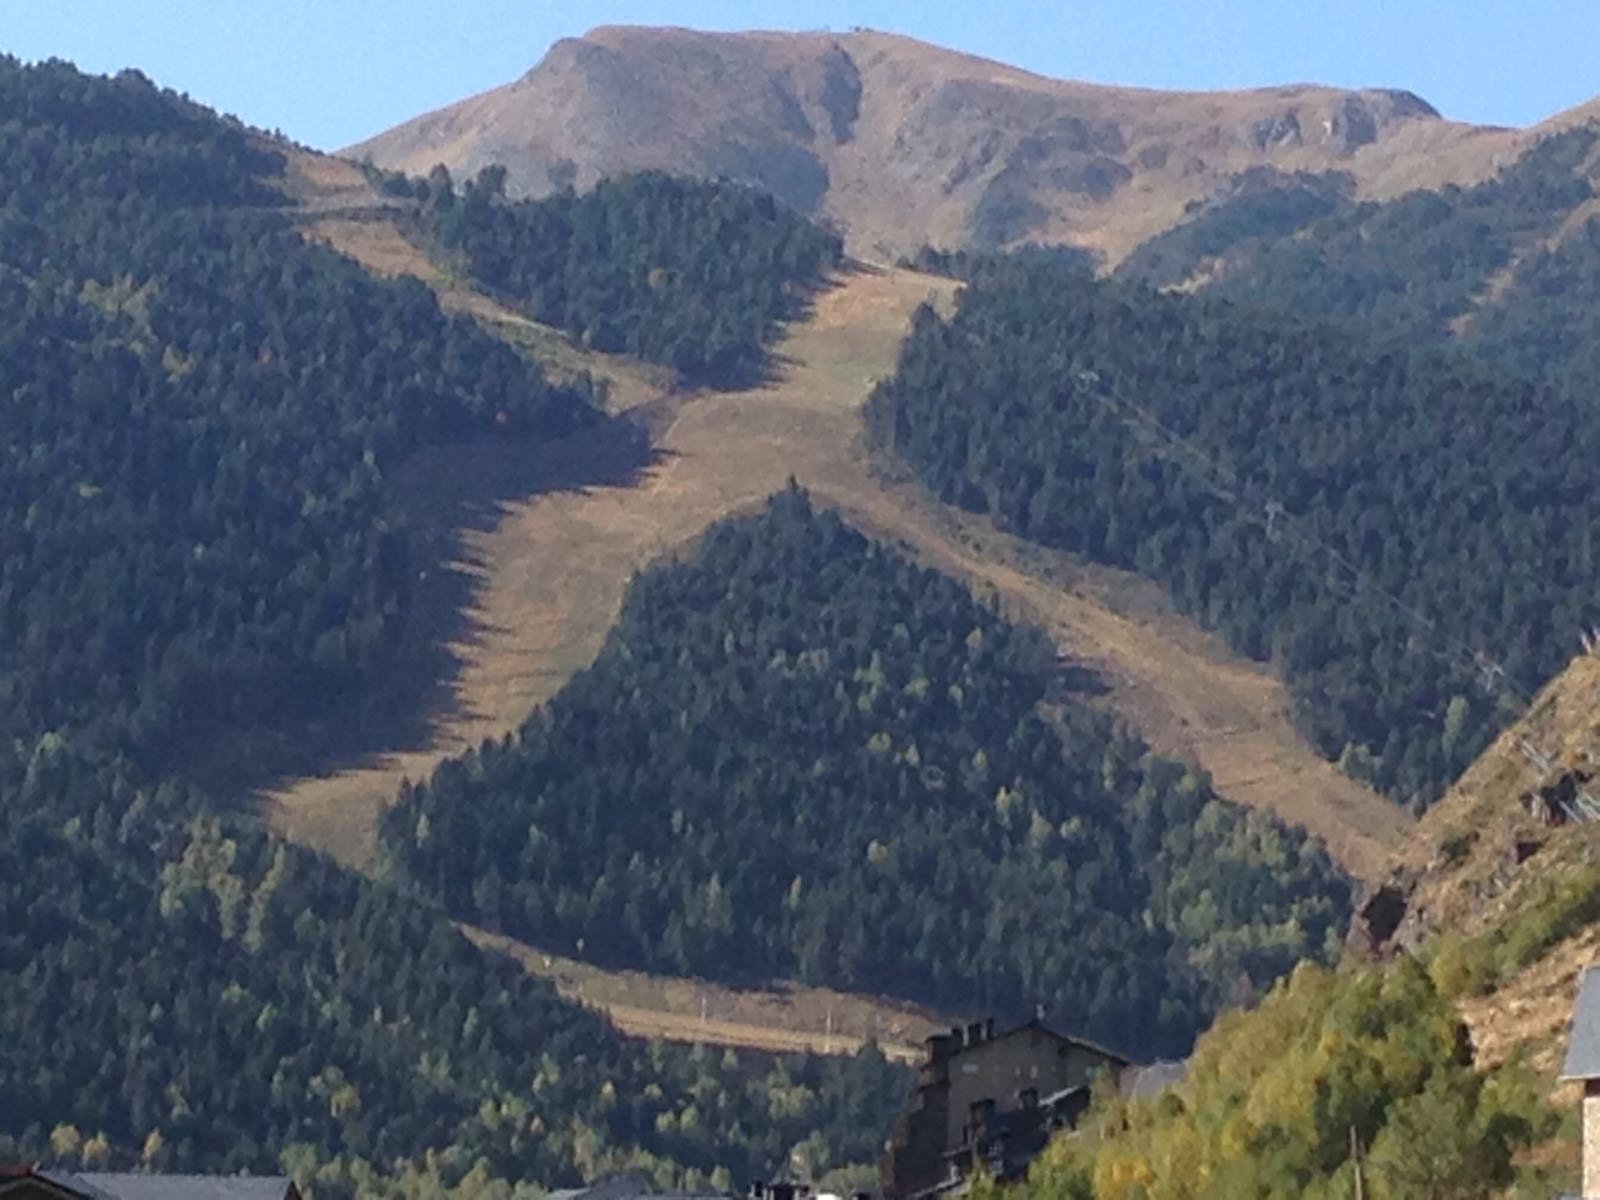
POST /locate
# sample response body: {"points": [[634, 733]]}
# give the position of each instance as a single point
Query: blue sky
{"points": [[330, 72]]}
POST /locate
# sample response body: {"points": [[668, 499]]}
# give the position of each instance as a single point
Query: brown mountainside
{"points": [[1507, 820], [904, 144], [1502, 877]]}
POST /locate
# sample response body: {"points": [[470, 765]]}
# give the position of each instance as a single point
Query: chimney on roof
{"points": [[975, 1033]]}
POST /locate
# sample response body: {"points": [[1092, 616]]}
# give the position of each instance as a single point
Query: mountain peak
{"points": [[899, 142]]}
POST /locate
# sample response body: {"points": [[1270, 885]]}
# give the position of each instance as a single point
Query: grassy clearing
{"points": [[722, 452], [784, 1020], [547, 574], [532, 556], [1181, 687]]}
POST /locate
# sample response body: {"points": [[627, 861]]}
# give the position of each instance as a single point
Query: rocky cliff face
{"points": [[1505, 865], [1517, 814], [904, 144]]}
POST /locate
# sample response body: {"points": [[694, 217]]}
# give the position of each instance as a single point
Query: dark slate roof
{"points": [[1062, 1035], [1583, 1046], [13, 1174], [101, 1185], [614, 1187], [629, 1185]]}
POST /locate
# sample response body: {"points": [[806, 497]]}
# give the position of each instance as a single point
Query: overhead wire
{"points": [[1493, 678]]}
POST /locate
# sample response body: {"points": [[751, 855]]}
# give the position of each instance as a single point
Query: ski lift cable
{"points": [[1496, 680], [1495, 677]]}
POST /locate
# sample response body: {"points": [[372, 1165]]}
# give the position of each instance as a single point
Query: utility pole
{"points": [[1355, 1158]]}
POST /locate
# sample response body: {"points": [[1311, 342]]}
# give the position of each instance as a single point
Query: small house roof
{"points": [[628, 1185], [1583, 1045], [18, 1177], [1063, 1036], [612, 1187], [108, 1185]]}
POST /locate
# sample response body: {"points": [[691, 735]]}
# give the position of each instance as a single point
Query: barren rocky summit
{"points": [[902, 144]]}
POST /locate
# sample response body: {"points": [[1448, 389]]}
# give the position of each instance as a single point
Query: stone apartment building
{"points": [[991, 1100]]}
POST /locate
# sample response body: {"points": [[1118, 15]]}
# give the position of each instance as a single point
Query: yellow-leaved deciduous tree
{"points": [[1274, 1099], [298, 1160], [810, 1158], [1460, 966], [1125, 1174], [65, 1141], [206, 865], [588, 1150], [261, 901], [1432, 1147], [345, 1102]]}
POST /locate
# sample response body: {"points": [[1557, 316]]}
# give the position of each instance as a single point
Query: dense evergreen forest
{"points": [[1314, 468], [799, 755], [693, 274], [192, 995], [965, 264], [1546, 323], [1258, 206], [1502, 269], [199, 412]]}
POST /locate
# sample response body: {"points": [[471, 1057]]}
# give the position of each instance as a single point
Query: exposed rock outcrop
{"points": [[904, 144]]}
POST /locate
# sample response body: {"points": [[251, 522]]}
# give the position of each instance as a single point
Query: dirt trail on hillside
{"points": [[548, 571], [547, 575], [789, 1019], [1182, 688]]}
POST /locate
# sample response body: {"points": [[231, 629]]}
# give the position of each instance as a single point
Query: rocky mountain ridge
{"points": [[902, 144]]}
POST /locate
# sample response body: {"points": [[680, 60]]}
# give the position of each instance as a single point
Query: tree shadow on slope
{"points": [[438, 500]]}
